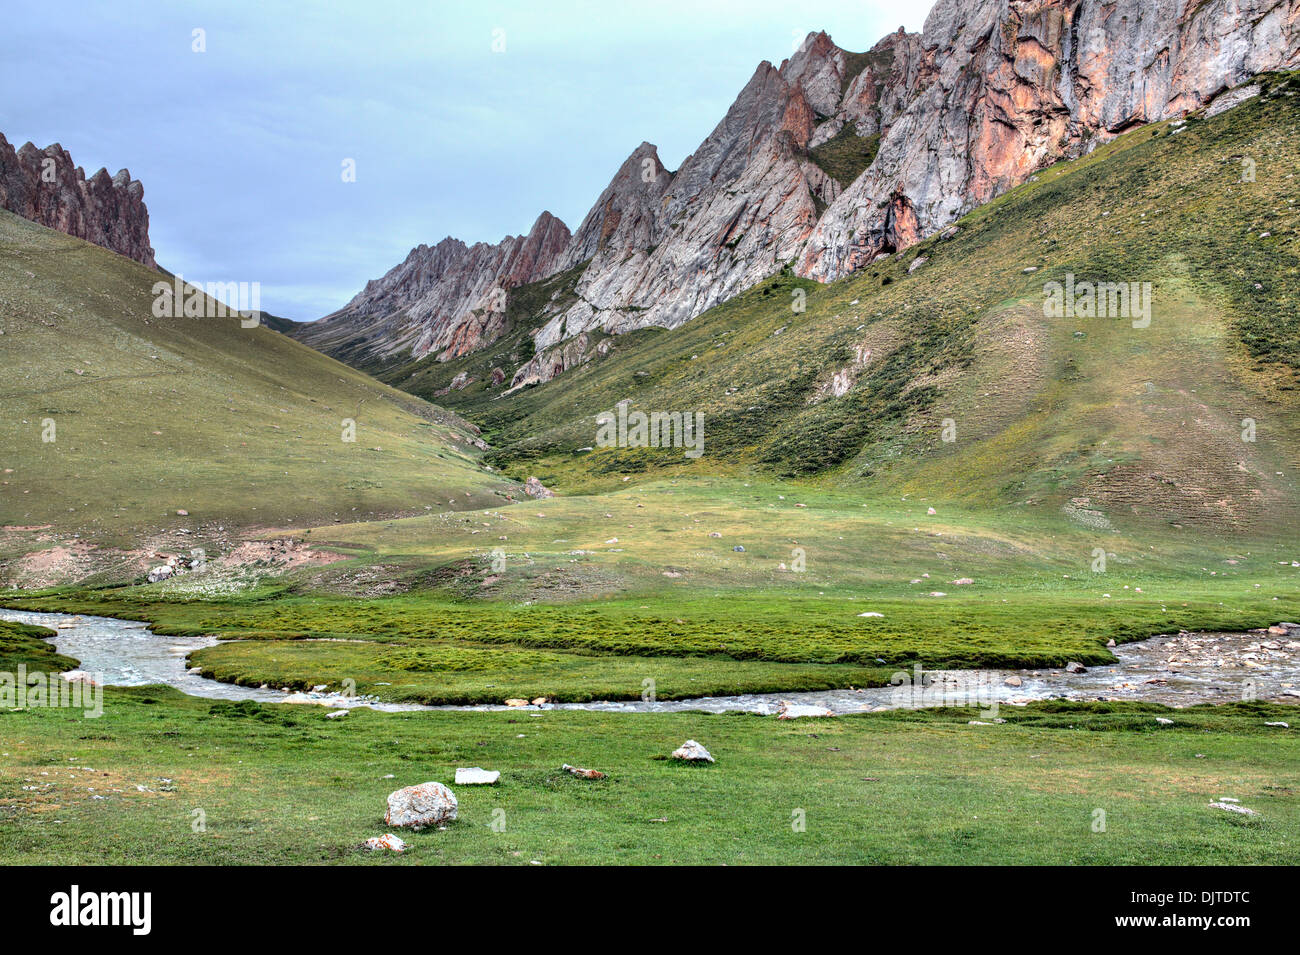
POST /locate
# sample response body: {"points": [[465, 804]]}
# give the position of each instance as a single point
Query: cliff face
{"points": [[1009, 87], [988, 93], [43, 185]]}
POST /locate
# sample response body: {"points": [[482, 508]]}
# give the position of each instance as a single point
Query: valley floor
{"points": [[163, 778], [573, 614]]}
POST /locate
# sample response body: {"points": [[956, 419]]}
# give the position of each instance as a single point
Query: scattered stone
{"points": [[1231, 807], [181, 512], [871, 613], [1013, 681], [336, 714], [515, 701], [1164, 721], [539, 701], [931, 511], [1075, 667], [582, 773], [416, 807], [692, 752], [535, 488], [475, 776], [1279, 723], [388, 841], [963, 581], [739, 548], [1110, 644]]}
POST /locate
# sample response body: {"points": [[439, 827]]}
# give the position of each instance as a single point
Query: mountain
{"points": [[446, 299], [116, 419], [1075, 413], [828, 162], [44, 186]]}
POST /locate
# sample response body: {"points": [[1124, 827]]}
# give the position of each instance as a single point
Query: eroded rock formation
{"points": [[43, 185]]}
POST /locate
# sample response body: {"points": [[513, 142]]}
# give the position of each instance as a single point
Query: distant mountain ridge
{"points": [[44, 185], [988, 93]]}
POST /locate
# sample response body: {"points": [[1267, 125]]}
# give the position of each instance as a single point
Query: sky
{"points": [[465, 119]]}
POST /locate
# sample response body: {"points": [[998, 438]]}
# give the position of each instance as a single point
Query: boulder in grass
{"points": [[692, 752], [1233, 807], [535, 488], [387, 841], [582, 773], [418, 807]]}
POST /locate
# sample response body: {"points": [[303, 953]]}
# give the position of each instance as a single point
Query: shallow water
{"points": [[1177, 670]]}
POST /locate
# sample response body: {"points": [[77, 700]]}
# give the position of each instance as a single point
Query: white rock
{"points": [[387, 841], [336, 714], [474, 776], [692, 751], [415, 807], [1279, 723], [871, 613], [1231, 807], [1163, 721]]}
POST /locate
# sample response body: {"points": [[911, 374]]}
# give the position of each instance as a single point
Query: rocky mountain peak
{"points": [[45, 186], [932, 124]]}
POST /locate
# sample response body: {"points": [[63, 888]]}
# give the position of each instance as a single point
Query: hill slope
{"points": [[1145, 422], [152, 415]]}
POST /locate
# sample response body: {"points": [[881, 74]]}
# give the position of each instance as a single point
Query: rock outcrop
{"points": [[1006, 87], [990, 92], [447, 299], [44, 186]]}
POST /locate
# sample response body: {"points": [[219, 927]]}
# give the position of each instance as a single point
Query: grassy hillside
{"points": [[1090, 415], [238, 426]]}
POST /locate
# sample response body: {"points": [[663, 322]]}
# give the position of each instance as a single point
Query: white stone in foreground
{"points": [[415, 807], [474, 776], [692, 751], [387, 841], [1232, 807]]}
